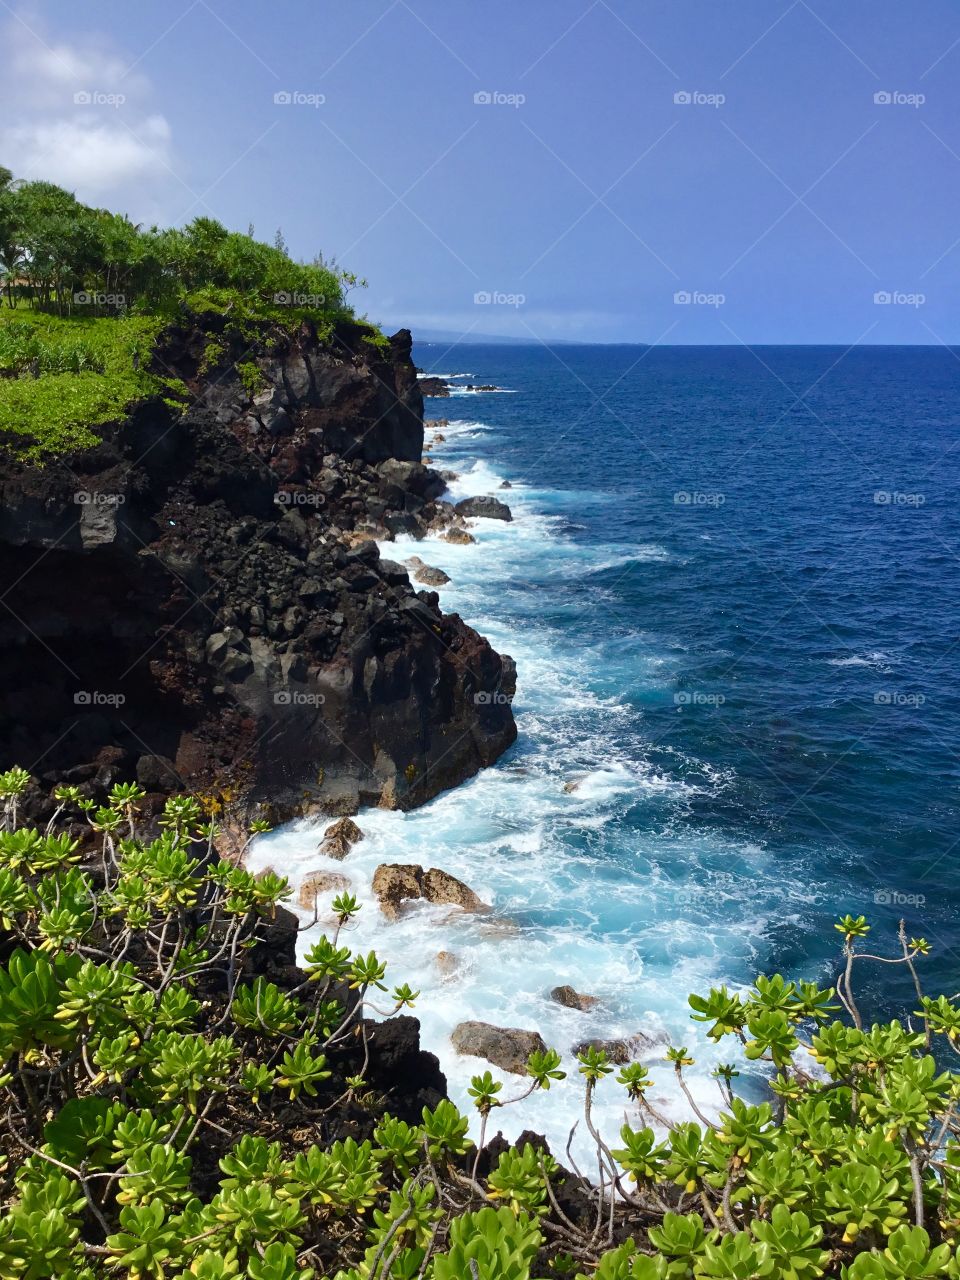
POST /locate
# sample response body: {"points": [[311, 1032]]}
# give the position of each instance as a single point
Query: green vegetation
{"points": [[165, 1110], [85, 295]]}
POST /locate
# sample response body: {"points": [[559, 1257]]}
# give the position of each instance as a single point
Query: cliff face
{"points": [[197, 601]]}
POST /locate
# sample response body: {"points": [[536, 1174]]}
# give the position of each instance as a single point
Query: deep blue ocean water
{"points": [[732, 590]]}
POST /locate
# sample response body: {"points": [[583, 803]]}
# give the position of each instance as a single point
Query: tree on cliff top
{"points": [[58, 254]]}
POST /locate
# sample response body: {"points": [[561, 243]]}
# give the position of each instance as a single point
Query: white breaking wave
{"points": [[579, 845], [877, 661]]}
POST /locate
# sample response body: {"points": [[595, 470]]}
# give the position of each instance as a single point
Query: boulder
{"points": [[426, 573], [506, 1047], [458, 536], [396, 883], [571, 999], [505, 484], [317, 882], [441, 887], [430, 576], [489, 508], [156, 773], [338, 839]]}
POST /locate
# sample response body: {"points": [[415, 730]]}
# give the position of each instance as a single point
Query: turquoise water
{"points": [[731, 589]]}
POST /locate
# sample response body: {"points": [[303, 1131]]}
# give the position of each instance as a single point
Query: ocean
{"points": [[731, 589]]}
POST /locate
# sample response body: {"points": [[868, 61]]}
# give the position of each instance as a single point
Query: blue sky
{"points": [[674, 170]]}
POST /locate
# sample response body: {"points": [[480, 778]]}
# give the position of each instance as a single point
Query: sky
{"points": [[658, 171]]}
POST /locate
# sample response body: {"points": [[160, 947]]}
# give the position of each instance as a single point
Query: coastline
{"points": [[500, 968]]}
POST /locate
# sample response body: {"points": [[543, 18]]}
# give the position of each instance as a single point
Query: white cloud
{"points": [[89, 156], [74, 114]]}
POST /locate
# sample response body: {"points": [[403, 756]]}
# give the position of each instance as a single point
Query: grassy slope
{"points": [[62, 378]]}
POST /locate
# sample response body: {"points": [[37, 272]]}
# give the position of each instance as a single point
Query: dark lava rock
{"points": [[209, 609], [489, 508]]}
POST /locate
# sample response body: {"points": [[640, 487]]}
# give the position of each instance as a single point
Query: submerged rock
{"points": [[447, 963], [506, 1047], [622, 1051], [571, 999], [487, 507], [316, 882]]}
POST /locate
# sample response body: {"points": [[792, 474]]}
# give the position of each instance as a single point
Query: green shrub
{"points": [[169, 1117]]}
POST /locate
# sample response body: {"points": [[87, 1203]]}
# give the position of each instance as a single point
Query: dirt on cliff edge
{"points": [[198, 602]]}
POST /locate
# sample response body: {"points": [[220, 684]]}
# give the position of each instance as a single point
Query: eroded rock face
{"points": [[571, 999], [506, 1047], [222, 618], [397, 883]]}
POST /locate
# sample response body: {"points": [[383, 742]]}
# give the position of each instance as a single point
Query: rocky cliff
{"points": [[198, 601]]}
